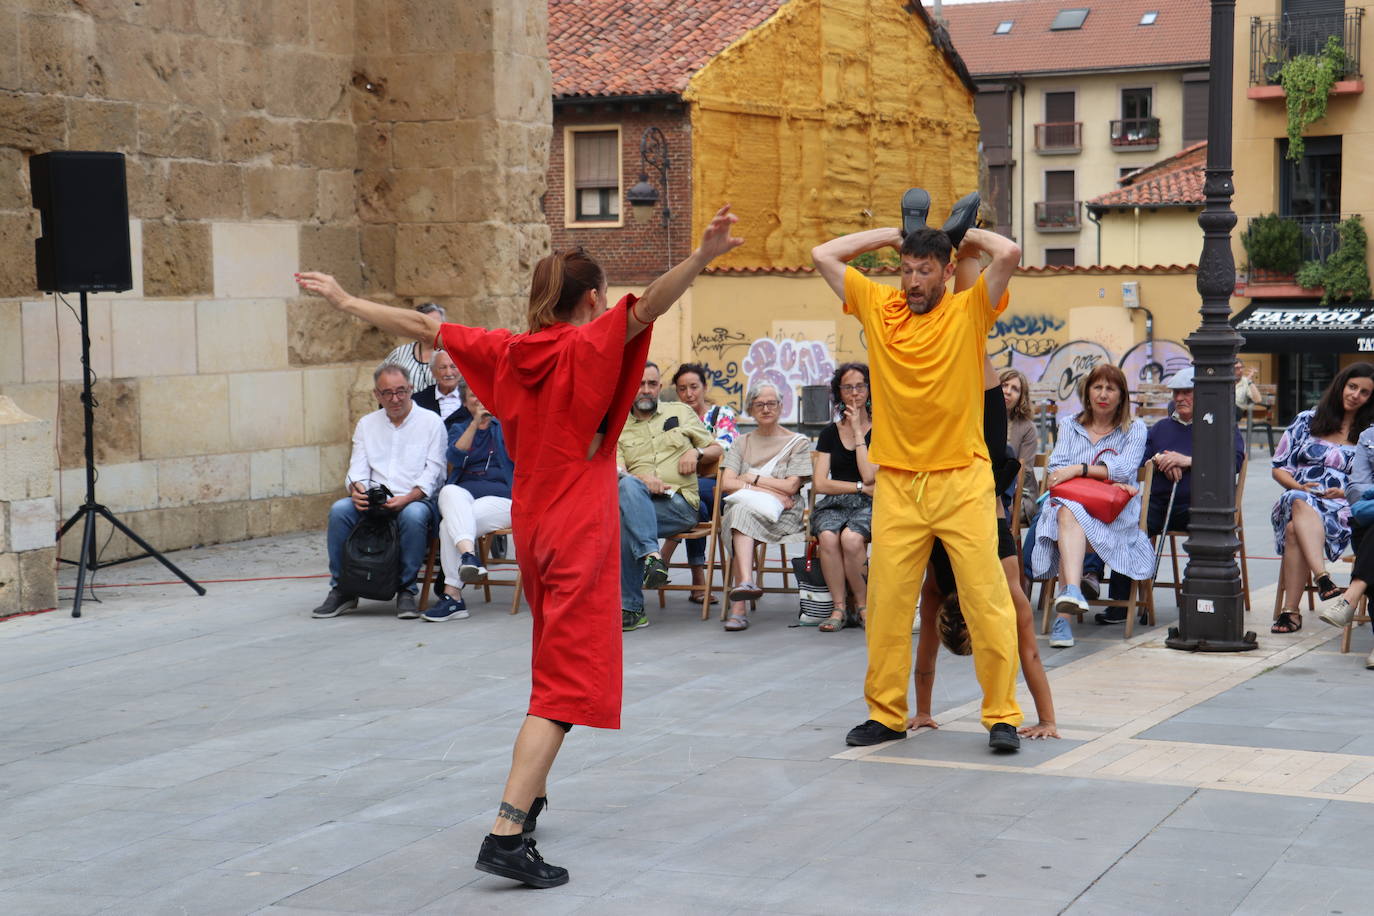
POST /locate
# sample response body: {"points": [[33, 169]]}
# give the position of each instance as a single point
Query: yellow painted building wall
{"points": [[790, 329], [1259, 124], [1150, 237], [816, 122]]}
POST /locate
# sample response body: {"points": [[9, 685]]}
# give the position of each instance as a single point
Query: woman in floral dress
{"points": [[1312, 464]]}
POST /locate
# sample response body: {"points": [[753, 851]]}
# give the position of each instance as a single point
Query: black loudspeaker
{"points": [[84, 202]]}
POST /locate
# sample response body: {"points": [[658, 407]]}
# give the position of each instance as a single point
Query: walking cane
{"points": [[1168, 513]]}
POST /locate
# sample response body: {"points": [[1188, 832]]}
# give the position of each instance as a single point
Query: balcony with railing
{"points": [[1135, 133], [1275, 40], [1059, 138], [1058, 215], [1318, 237]]}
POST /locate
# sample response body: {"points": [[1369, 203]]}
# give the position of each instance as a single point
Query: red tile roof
{"points": [[1111, 37], [642, 47], [1173, 182]]}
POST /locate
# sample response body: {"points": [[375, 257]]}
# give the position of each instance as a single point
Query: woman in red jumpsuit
{"points": [[563, 391]]}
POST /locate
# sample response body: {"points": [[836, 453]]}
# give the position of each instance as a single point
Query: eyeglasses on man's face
{"points": [[388, 394], [850, 389]]}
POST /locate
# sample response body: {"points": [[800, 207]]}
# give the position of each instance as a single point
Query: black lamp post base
{"points": [[1244, 644]]}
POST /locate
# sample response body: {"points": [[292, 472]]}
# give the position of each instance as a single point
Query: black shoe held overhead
{"points": [[963, 216], [915, 207], [516, 858], [871, 732], [1003, 738]]}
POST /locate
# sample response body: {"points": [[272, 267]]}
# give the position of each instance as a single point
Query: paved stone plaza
{"points": [[227, 754]]}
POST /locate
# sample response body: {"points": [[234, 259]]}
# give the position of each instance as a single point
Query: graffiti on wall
{"points": [[788, 365]]}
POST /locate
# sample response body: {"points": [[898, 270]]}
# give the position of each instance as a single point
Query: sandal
{"points": [[1326, 589], [696, 598], [746, 591], [736, 622], [1287, 622], [832, 625]]}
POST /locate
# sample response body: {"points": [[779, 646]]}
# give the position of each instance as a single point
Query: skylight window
{"points": [[1069, 19], [1003, 27], [1149, 18]]}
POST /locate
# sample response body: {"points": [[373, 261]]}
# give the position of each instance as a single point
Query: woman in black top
{"points": [[844, 477]]}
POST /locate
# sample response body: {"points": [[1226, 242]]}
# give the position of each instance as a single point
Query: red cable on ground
{"points": [[46, 610]]}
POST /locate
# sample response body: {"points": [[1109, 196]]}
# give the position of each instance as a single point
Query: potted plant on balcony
{"points": [[1344, 275], [1307, 80], [1273, 248]]}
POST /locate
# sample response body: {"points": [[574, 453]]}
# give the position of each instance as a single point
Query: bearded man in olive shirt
{"points": [[657, 453]]}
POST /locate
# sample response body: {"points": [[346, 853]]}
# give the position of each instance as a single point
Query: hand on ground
{"points": [[1039, 730], [921, 720]]}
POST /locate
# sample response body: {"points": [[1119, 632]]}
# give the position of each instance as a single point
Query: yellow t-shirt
{"points": [[927, 373]]}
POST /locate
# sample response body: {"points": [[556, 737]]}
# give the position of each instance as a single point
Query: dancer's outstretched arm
{"points": [[669, 287], [831, 257], [415, 325]]}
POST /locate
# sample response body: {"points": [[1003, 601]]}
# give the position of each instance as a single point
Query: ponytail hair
{"points": [[560, 281]]}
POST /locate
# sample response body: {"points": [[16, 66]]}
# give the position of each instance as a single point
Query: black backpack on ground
{"points": [[371, 565]]}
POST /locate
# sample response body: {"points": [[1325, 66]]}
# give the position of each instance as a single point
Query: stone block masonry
{"points": [[28, 519], [399, 144]]}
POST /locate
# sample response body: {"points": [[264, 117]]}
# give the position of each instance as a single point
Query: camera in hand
{"points": [[377, 497]]}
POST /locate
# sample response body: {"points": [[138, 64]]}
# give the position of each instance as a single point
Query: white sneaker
{"points": [[1369, 662], [1338, 612]]}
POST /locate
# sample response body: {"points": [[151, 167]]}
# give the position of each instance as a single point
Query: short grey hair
{"points": [[432, 308], [435, 358], [389, 367], [756, 389]]}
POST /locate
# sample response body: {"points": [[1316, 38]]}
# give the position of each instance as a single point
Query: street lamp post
{"points": [[1212, 616], [653, 154]]}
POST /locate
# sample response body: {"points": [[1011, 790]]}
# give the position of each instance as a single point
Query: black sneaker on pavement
{"points": [[963, 216], [1003, 737], [471, 570], [1113, 615], [446, 608], [655, 573], [406, 608], [633, 620], [335, 603], [523, 863], [871, 732], [532, 819], [915, 208]]}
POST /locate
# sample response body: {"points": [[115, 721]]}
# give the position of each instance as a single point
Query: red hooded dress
{"points": [[553, 390]]}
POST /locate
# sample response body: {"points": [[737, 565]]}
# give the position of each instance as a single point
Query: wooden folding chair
{"points": [[761, 567], [710, 530], [1174, 535], [428, 576], [1142, 591]]}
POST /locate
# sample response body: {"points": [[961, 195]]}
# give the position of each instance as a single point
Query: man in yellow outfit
{"points": [[926, 349]]}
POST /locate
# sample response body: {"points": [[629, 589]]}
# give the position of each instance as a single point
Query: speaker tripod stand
{"points": [[90, 509]]}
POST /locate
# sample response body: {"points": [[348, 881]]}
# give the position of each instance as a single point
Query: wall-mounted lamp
{"points": [[643, 197]]}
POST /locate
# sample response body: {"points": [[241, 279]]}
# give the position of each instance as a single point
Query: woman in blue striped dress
{"points": [[1103, 442]]}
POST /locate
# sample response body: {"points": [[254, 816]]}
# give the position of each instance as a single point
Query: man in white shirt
{"points": [[402, 449]]}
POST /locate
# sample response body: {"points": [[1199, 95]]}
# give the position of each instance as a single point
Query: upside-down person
{"points": [[563, 390], [926, 350]]}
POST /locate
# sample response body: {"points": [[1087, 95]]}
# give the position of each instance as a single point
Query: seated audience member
{"points": [[1169, 445], [690, 382], [763, 472], [844, 478], [657, 453], [445, 396], [1105, 443], [475, 500], [1312, 463], [414, 357], [402, 449], [1247, 392], [1022, 435]]}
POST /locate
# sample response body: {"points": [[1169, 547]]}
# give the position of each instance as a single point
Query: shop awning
{"points": [[1304, 326]]}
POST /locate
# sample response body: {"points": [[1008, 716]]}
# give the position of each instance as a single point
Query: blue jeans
{"points": [[414, 522], [643, 520], [696, 547]]}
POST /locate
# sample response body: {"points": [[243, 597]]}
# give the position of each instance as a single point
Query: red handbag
{"points": [[1102, 499]]}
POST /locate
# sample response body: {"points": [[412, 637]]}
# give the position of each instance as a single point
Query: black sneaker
{"points": [[1115, 615], [871, 732], [915, 207], [335, 603], [633, 620], [532, 819], [963, 216], [1003, 737], [523, 864], [655, 573], [406, 608]]}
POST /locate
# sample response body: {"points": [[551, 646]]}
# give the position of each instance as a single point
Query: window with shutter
{"points": [[1194, 110], [1061, 257], [594, 166]]}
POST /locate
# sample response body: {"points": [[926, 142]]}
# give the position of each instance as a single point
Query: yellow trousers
{"points": [[910, 510]]}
